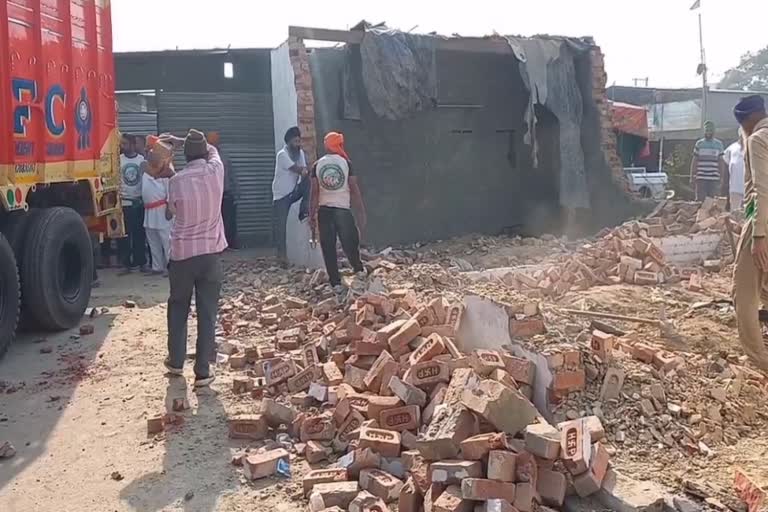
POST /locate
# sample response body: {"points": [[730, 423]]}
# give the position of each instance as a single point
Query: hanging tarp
{"points": [[631, 119]]}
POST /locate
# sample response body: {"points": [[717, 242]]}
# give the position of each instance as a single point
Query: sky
{"points": [[657, 39]]}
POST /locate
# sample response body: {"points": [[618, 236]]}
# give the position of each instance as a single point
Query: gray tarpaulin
{"points": [[549, 73], [399, 74]]}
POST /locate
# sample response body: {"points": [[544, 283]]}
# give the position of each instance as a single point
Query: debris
{"points": [[7, 451]]}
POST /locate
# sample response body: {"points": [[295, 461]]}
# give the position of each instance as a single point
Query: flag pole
{"points": [[703, 68]]}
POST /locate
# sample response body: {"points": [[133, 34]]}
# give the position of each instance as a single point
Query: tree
{"points": [[751, 73]]}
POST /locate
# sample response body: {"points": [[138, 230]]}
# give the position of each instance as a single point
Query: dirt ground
{"points": [[76, 408]]}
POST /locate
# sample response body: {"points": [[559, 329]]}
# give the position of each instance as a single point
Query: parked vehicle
{"points": [[649, 185], [59, 158]]}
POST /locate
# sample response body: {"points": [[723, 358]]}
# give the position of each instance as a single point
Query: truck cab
{"points": [[59, 158]]}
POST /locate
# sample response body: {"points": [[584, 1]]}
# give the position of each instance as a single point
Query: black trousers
{"points": [[229, 215], [280, 210], [132, 249], [338, 223], [201, 275]]}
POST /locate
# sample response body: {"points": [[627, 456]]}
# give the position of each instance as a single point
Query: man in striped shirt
{"points": [[708, 166], [197, 241]]}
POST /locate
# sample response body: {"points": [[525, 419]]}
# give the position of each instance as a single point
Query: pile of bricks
{"points": [[382, 389], [630, 253]]}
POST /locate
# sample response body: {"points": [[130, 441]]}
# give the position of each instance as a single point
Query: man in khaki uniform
{"points": [[750, 277]]}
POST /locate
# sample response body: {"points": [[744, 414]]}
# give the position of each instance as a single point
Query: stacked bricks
{"points": [[299, 56]]}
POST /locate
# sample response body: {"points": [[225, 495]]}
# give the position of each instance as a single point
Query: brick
{"points": [[408, 393], [748, 491], [410, 499], [332, 374], [438, 397], [551, 486], [333, 494], [279, 372], [522, 370], [380, 484], [368, 348], [525, 497], [603, 344], [318, 428], [432, 346], [261, 465], [404, 335], [248, 426], [526, 327], [352, 422], [378, 404], [155, 425], [484, 362], [526, 468], [237, 361], [666, 361], [389, 330], [502, 465], [358, 460], [355, 377], [315, 452], [302, 380], [477, 447], [409, 440], [452, 472], [595, 428], [506, 409], [295, 303], [566, 381], [366, 315], [643, 352], [644, 278], [503, 377], [575, 446], [242, 385], [449, 427], [590, 482], [482, 489], [451, 500], [495, 506], [322, 476], [318, 391], [359, 402], [276, 414], [383, 442], [401, 418], [542, 440], [427, 374], [612, 384], [374, 376], [367, 502]]}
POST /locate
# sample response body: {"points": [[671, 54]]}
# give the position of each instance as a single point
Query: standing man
{"points": [[197, 241], [289, 185], [154, 192], [229, 201], [750, 277], [334, 191], [734, 159], [132, 247], [707, 167]]}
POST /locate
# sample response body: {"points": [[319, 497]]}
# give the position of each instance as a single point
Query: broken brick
{"points": [[315, 452], [379, 404], [408, 393], [522, 370], [384, 364], [449, 427], [506, 409], [525, 497], [481, 489], [748, 491], [526, 327], [551, 486], [410, 499], [155, 425], [477, 447], [566, 381], [542, 440], [603, 344], [452, 472], [502, 465], [276, 414], [451, 500], [333, 375], [381, 484], [333, 494], [589, 482]]}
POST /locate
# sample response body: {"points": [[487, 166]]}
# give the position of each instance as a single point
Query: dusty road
{"points": [[76, 407]]}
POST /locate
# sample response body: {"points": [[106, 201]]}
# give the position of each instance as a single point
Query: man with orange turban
{"points": [[334, 190]]}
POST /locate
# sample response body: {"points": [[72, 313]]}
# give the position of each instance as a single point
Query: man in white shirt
{"points": [[131, 248], [734, 159], [289, 185], [154, 192]]}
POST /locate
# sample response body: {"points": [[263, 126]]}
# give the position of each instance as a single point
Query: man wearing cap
{"points": [[707, 166], [750, 277], [197, 241]]}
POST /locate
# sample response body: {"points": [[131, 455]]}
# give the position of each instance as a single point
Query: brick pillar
{"points": [[608, 136], [305, 98]]}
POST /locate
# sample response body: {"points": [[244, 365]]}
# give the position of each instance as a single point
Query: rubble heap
{"points": [[631, 253], [380, 386]]}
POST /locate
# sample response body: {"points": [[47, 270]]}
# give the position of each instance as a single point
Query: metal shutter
{"points": [[137, 123], [245, 123]]}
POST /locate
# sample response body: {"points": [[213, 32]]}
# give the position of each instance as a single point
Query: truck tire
{"points": [[57, 271], [9, 296]]}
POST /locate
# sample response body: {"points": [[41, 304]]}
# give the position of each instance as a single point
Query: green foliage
{"points": [[750, 75]]}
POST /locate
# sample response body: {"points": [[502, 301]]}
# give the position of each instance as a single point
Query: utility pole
{"points": [[702, 70]]}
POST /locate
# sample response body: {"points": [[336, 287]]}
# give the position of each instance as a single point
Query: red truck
{"points": [[59, 158]]}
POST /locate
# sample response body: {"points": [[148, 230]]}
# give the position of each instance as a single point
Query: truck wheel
{"points": [[9, 296], [58, 269]]}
